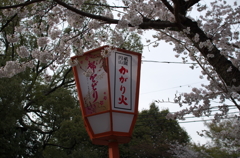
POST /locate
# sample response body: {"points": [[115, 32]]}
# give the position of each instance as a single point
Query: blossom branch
{"points": [[153, 24], [219, 62], [207, 72], [8, 21], [96, 17], [170, 8], [105, 5]]}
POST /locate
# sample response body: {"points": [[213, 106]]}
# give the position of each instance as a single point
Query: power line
{"points": [[155, 115], [212, 107], [190, 121], [196, 121], [189, 85], [204, 120], [193, 121], [166, 62]]}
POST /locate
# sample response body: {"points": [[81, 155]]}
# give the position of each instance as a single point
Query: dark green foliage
{"points": [[10, 111], [153, 135], [30, 118], [34, 124]]}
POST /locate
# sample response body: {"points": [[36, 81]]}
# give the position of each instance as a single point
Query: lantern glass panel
{"points": [[122, 122], [100, 123]]}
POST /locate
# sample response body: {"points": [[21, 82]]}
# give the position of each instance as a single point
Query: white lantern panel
{"points": [[121, 122], [93, 80], [100, 123], [123, 78]]}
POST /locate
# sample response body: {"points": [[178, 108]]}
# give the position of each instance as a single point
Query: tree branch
{"points": [[170, 8], [219, 62], [156, 24], [63, 83], [8, 21], [190, 3], [35, 129], [96, 17], [235, 103], [176, 11], [105, 5], [21, 4]]}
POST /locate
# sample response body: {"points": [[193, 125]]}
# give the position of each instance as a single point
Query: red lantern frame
{"points": [[112, 136]]}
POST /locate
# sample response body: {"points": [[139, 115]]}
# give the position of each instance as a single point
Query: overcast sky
{"points": [[161, 81]]}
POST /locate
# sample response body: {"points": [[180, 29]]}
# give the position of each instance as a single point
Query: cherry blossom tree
{"points": [[225, 134], [39, 110], [210, 39], [42, 35]]}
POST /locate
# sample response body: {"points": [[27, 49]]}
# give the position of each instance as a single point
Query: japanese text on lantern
{"points": [[123, 81], [94, 90], [123, 98]]}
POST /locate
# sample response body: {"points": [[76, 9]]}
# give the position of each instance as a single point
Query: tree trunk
{"points": [[220, 63]]}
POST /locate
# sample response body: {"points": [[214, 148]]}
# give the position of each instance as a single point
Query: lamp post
{"points": [[107, 82]]}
